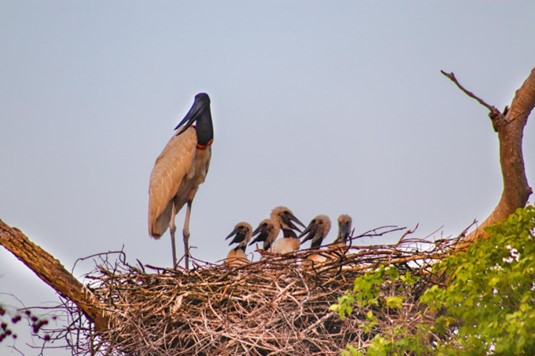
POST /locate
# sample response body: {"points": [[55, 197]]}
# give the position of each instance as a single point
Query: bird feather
{"points": [[172, 166]]}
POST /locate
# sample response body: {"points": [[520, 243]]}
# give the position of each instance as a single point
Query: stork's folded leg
{"points": [[185, 233], [172, 229]]}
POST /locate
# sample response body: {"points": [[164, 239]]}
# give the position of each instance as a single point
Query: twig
{"points": [[495, 115]]}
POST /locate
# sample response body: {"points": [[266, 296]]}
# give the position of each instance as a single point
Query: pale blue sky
{"points": [[326, 107]]}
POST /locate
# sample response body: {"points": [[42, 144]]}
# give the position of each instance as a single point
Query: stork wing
{"points": [[168, 173]]}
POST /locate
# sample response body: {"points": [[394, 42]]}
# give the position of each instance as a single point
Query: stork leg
{"points": [[172, 229], [185, 233]]}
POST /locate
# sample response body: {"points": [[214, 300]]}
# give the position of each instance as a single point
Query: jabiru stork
{"points": [[241, 235], [179, 170], [286, 219], [316, 231], [267, 231], [344, 230]]}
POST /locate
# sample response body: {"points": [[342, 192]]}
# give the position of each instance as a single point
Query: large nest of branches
{"points": [[277, 305]]}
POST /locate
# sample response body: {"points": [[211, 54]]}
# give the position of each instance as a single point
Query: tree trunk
{"points": [[510, 128], [52, 272]]}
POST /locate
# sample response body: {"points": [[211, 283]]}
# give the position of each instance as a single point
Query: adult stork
{"points": [[179, 170]]}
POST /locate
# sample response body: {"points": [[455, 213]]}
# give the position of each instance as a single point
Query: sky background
{"points": [[325, 107]]}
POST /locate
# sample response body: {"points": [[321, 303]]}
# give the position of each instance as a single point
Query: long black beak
{"points": [[239, 236], [192, 115], [290, 218], [310, 231], [262, 234]]}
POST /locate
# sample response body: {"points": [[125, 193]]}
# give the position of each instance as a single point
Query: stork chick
{"points": [[316, 231], [286, 219], [242, 234], [344, 230], [267, 231]]}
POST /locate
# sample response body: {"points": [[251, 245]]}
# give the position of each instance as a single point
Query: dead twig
{"points": [[494, 113]]}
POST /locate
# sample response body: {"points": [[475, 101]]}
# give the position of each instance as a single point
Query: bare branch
{"points": [[494, 113]]}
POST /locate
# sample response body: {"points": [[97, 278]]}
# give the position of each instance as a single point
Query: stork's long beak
{"points": [[239, 236], [262, 234], [310, 231], [191, 116], [289, 220], [231, 234]]}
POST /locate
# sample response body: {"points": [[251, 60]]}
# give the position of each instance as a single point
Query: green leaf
{"points": [[394, 302]]}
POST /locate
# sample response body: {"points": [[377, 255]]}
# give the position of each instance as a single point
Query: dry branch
{"points": [[510, 128], [52, 272], [495, 112]]}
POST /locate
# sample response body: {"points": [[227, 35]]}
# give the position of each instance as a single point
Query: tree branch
{"points": [[52, 272], [510, 128], [492, 109]]}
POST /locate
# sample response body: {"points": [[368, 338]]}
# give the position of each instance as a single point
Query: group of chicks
{"points": [[283, 219]]}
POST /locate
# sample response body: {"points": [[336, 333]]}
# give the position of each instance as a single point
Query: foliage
{"points": [[379, 295], [490, 300], [487, 305]]}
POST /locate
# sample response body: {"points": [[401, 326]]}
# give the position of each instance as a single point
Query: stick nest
{"points": [[278, 305]]}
